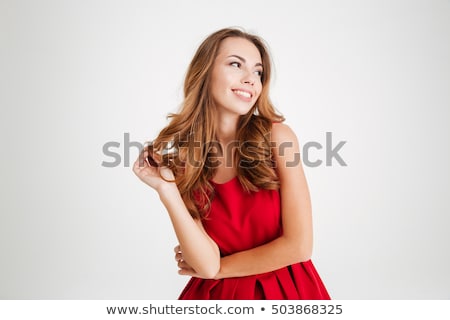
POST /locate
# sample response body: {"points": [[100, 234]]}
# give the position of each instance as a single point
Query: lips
{"points": [[246, 94]]}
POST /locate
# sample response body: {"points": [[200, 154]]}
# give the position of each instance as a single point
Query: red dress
{"points": [[239, 221]]}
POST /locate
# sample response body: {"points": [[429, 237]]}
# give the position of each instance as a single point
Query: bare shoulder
{"points": [[281, 133], [286, 150]]}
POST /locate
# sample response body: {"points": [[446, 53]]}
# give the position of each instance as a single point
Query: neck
{"points": [[226, 129]]}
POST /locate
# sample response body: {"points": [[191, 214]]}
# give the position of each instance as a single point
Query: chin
{"points": [[239, 109], [244, 110]]}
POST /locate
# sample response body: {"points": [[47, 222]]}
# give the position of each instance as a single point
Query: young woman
{"points": [[229, 173]]}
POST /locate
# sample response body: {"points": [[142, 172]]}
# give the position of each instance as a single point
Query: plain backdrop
{"points": [[76, 75]]}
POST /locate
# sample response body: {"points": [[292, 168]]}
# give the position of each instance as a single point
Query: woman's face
{"points": [[236, 76]]}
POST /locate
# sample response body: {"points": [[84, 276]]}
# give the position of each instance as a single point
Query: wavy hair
{"points": [[188, 143]]}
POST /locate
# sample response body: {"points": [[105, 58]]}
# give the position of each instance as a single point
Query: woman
{"points": [[228, 171]]}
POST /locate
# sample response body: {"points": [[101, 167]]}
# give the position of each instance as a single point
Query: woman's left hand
{"points": [[184, 268]]}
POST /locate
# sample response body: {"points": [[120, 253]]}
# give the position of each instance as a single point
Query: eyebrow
{"points": [[243, 60]]}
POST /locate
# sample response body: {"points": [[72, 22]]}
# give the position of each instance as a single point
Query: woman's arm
{"points": [[199, 250], [295, 245]]}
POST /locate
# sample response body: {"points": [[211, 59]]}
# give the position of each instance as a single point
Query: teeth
{"points": [[242, 93]]}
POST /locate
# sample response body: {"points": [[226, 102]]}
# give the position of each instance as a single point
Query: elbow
{"points": [[208, 268], [299, 254], [209, 271], [300, 251], [304, 255]]}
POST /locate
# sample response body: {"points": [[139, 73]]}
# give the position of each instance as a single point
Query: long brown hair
{"points": [[188, 142]]}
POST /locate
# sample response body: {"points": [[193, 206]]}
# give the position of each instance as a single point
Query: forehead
{"points": [[240, 47]]}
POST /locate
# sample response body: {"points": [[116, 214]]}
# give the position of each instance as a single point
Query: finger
{"points": [[178, 256], [185, 266], [182, 265], [187, 272], [141, 161], [151, 161], [150, 155], [137, 167]]}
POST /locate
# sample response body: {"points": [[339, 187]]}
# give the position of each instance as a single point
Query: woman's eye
{"points": [[235, 64], [259, 73]]}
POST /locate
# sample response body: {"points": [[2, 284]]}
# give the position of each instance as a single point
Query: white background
{"points": [[78, 74]]}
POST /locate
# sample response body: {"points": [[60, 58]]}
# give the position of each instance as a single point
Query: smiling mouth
{"points": [[244, 94]]}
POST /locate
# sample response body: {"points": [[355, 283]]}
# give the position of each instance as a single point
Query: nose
{"points": [[248, 78]]}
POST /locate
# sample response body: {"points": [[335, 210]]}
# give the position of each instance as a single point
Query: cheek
{"points": [[220, 82], [215, 85], [258, 90]]}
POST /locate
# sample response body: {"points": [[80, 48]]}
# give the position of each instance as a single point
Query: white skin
{"points": [[235, 87], [238, 67]]}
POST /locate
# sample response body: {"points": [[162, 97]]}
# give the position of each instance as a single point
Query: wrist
{"points": [[167, 188]]}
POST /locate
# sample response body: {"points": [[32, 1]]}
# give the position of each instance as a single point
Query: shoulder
{"points": [[282, 133], [285, 148]]}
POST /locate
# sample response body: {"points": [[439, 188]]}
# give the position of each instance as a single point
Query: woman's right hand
{"points": [[152, 175]]}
